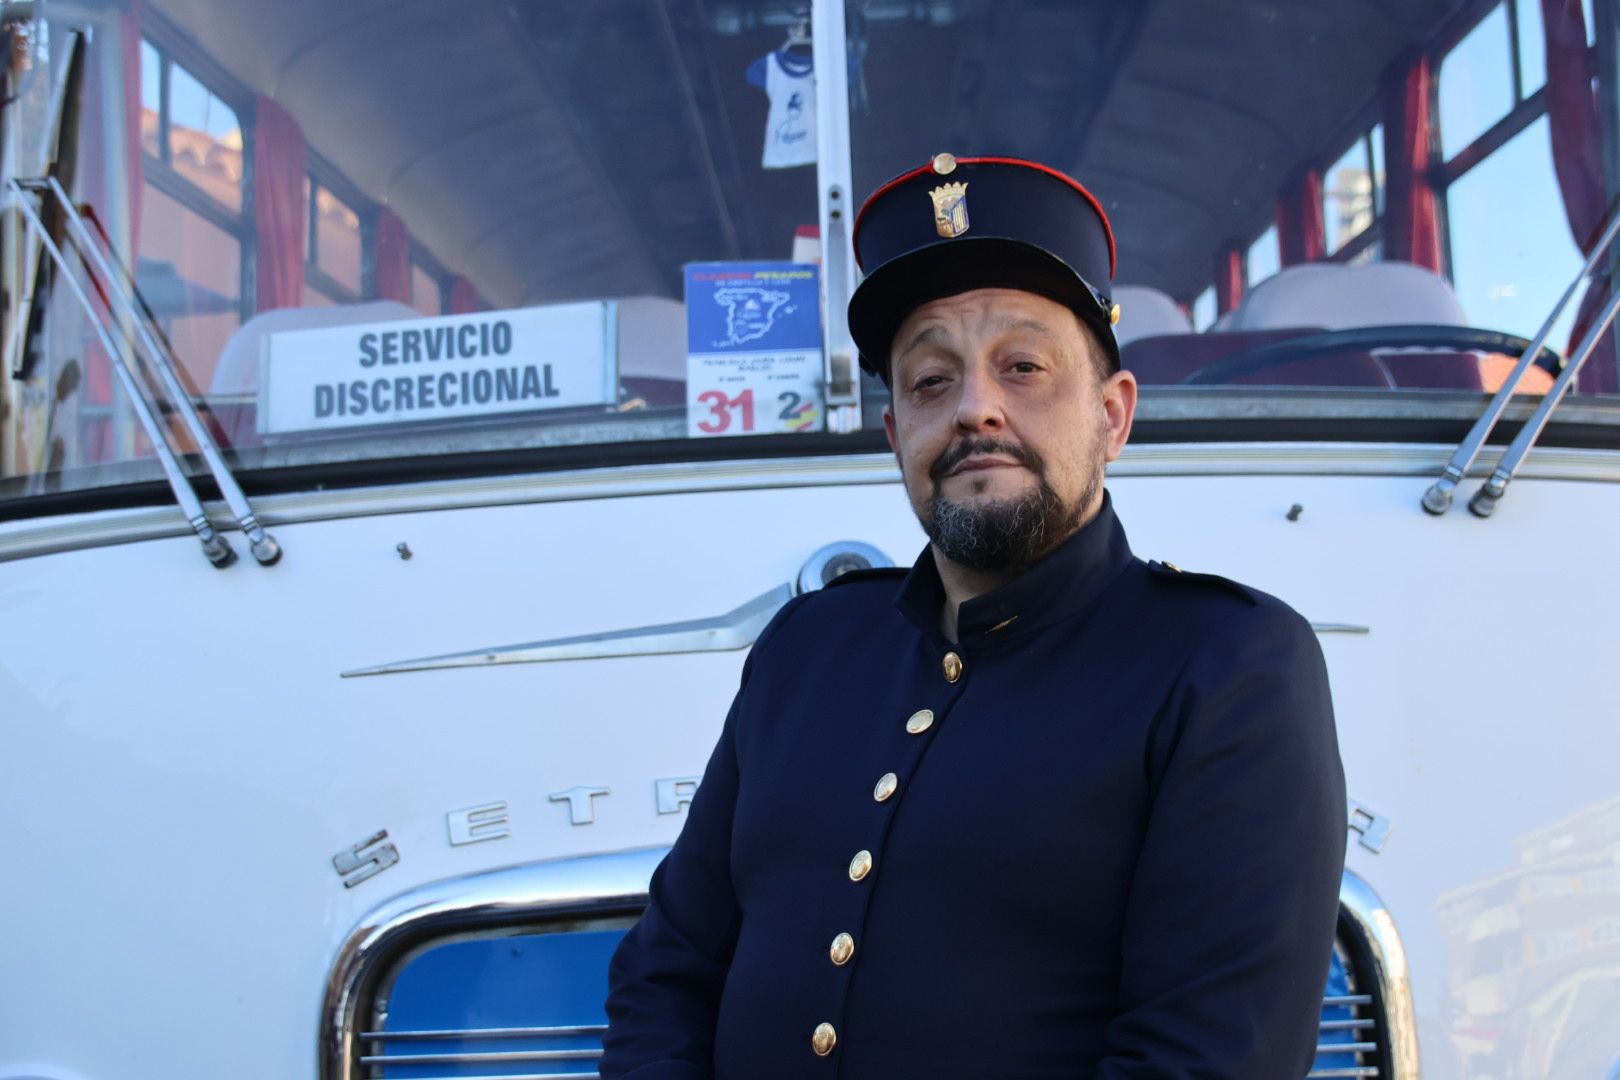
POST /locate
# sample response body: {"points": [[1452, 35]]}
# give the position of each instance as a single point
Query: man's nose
{"points": [[980, 406]]}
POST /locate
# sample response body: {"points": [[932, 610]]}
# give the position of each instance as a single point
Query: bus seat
{"points": [[238, 369], [1170, 358], [1147, 312], [1340, 297], [652, 340], [233, 391]]}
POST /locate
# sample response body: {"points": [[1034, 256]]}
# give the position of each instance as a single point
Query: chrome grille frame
{"points": [[599, 886]]}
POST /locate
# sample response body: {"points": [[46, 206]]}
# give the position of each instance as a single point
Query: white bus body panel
{"points": [[182, 760]]}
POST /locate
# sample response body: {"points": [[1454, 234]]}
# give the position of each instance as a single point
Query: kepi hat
{"points": [[958, 224]]}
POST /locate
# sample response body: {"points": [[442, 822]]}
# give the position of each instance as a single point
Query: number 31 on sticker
{"points": [[719, 413]]}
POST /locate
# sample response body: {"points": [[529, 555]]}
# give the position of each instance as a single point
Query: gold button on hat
{"points": [[920, 721], [886, 785], [843, 947], [823, 1039], [953, 667], [860, 865]]}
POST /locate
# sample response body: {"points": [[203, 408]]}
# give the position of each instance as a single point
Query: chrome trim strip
{"points": [[619, 880], [736, 629], [494, 1058], [42, 536], [486, 1033], [592, 883], [1376, 927], [1340, 628], [520, 1076]]}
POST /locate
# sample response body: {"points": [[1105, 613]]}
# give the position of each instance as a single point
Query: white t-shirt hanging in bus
{"points": [[790, 125]]}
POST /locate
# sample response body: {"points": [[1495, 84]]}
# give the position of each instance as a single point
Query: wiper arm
{"points": [[215, 547], [1483, 504], [160, 356], [1437, 499]]}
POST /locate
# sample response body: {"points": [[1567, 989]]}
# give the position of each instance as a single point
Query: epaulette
{"points": [[1171, 571], [870, 573]]}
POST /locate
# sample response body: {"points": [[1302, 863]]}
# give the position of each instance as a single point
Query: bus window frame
{"points": [[322, 175], [172, 48], [422, 259], [1368, 123]]}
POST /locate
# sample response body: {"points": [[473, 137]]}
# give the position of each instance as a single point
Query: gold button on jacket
{"points": [[843, 947], [824, 1038], [953, 667], [860, 865], [886, 786], [920, 721]]}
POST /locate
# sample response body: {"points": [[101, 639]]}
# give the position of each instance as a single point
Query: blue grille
{"points": [[528, 1006]]}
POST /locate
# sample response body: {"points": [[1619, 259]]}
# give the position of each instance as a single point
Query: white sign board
{"points": [[412, 370]]}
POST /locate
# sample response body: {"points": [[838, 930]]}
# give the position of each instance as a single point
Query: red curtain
{"points": [[1228, 279], [280, 163], [1576, 149], [1411, 204], [393, 257], [464, 299], [1301, 235]]}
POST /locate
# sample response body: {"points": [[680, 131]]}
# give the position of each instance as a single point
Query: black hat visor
{"points": [[950, 267]]}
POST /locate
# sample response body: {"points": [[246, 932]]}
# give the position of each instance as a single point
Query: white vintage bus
{"points": [[411, 412]]}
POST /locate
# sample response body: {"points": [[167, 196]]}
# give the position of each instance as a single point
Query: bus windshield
{"points": [[375, 242]]}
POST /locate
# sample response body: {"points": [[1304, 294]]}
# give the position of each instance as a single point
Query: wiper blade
{"points": [[1437, 499], [60, 158]]}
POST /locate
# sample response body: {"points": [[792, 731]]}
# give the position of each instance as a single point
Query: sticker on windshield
{"points": [[753, 344], [411, 370]]}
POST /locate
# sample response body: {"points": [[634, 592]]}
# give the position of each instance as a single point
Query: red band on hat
{"points": [[1108, 229]]}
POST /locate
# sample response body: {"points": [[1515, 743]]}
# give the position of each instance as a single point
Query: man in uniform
{"points": [[1035, 808]]}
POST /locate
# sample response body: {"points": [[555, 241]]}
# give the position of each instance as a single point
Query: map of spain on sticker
{"points": [[753, 343]]}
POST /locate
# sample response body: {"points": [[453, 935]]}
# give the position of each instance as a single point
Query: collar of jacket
{"points": [[1061, 583]]}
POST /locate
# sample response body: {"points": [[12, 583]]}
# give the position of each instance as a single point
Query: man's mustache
{"points": [[960, 452]]}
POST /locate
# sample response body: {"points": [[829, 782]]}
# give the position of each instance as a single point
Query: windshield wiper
{"points": [[1437, 499], [159, 358]]}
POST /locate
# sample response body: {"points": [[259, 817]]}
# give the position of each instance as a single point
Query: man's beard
{"points": [[1004, 534]]}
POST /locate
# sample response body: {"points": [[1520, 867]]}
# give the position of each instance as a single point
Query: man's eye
{"points": [[928, 382]]}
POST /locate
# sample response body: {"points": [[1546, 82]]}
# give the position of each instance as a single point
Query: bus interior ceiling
{"points": [[564, 151]]}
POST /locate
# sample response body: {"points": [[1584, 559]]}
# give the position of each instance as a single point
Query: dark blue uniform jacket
{"points": [[1115, 851]]}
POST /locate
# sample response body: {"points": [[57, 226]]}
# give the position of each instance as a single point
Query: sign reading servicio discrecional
{"points": [[412, 370]]}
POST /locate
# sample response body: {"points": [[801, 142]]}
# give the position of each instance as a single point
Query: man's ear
{"points": [[888, 429], [1119, 410]]}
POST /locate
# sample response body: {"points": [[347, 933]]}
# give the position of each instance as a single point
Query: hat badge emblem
{"points": [[950, 209]]}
